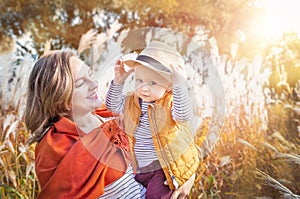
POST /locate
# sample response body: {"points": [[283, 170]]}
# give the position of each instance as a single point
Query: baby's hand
{"points": [[179, 75], [120, 73]]}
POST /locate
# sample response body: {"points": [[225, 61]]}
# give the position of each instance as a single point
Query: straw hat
{"points": [[157, 56]]}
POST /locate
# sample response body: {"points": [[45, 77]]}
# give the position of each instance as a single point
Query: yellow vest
{"points": [[173, 141]]}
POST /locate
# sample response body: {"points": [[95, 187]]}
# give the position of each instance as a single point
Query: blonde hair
{"points": [[49, 94]]}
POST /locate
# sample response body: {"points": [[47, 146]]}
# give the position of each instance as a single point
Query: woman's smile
{"points": [[93, 96]]}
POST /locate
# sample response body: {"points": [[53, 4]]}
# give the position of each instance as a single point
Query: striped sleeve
{"points": [[182, 110], [124, 188], [114, 100]]}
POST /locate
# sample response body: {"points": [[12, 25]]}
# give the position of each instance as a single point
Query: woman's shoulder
{"points": [[104, 112]]}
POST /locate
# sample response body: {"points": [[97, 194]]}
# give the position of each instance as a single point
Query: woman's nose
{"points": [[93, 84]]}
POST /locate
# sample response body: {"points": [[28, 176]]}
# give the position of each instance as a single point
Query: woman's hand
{"points": [[87, 40], [183, 191], [120, 73]]}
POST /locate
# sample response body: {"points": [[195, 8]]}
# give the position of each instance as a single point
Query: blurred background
{"points": [[254, 44]]}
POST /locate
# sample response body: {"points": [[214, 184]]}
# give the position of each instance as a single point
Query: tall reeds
{"points": [[258, 152], [257, 155], [17, 175]]}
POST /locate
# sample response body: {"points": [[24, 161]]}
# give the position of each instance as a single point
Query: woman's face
{"points": [[85, 93]]}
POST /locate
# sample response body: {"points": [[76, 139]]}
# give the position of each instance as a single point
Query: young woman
{"points": [[79, 154]]}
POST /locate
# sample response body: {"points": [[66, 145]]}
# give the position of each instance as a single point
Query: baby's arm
{"points": [[182, 110], [114, 102]]}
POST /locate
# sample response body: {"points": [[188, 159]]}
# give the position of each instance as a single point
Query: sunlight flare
{"points": [[279, 16]]}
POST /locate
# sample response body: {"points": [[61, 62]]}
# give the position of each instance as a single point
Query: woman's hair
{"points": [[49, 95]]}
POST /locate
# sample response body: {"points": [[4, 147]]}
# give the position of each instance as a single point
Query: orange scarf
{"points": [[71, 164]]}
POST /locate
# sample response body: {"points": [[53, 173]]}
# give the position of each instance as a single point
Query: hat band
{"points": [[153, 62]]}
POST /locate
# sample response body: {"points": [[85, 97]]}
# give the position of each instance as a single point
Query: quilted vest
{"points": [[173, 141]]}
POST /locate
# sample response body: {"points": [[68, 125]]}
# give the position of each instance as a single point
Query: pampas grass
{"points": [[256, 136], [257, 155], [17, 176], [270, 181]]}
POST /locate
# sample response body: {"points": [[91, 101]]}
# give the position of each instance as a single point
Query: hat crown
{"points": [[159, 57], [163, 53]]}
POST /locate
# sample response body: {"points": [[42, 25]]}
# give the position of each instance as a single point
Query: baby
{"points": [[156, 118]]}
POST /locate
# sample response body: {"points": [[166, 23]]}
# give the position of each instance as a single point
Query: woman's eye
{"points": [[79, 83], [152, 83]]}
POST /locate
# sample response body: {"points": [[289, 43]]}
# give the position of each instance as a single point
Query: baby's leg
{"points": [[144, 178], [156, 188]]}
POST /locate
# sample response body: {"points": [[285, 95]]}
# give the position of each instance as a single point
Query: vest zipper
{"points": [[174, 181]]}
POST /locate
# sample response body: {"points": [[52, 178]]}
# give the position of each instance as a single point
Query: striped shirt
{"points": [[144, 147], [124, 188]]}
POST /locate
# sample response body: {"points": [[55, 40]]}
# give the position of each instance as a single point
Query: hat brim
{"points": [[131, 63]]}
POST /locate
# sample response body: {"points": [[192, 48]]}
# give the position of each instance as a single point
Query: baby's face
{"points": [[149, 85]]}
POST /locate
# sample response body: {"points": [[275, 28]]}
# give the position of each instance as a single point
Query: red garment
{"points": [[103, 112], [71, 164]]}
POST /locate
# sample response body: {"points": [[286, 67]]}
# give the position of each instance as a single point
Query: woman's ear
{"points": [[169, 87]]}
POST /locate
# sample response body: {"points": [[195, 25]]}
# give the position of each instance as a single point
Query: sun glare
{"points": [[279, 16]]}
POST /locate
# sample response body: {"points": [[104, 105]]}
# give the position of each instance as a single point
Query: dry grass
{"points": [[257, 155], [17, 176]]}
